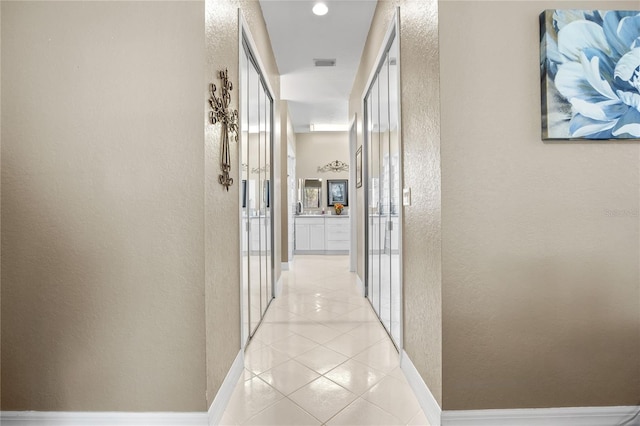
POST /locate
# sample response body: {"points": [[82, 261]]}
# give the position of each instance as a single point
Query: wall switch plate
{"points": [[406, 197]]}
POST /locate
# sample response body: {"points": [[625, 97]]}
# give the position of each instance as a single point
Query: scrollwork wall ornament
{"points": [[334, 166], [228, 118]]}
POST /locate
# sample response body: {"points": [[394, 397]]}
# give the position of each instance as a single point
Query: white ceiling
{"points": [[317, 95]]}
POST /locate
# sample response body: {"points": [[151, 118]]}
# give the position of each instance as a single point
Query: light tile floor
{"points": [[321, 357]]}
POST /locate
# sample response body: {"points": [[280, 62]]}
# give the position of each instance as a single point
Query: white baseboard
{"points": [[285, 266], [65, 418], [223, 396], [427, 401], [84, 418], [572, 416]]}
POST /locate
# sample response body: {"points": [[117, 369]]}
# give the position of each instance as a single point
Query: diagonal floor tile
{"points": [[321, 359], [285, 413], [317, 332], [250, 397], [381, 356], [322, 398], [263, 359], [419, 420], [289, 376], [356, 377], [363, 413], [372, 331], [319, 325], [294, 345], [348, 344], [395, 397], [269, 333]]}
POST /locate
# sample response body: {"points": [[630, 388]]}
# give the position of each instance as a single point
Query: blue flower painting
{"points": [[590, 71]]}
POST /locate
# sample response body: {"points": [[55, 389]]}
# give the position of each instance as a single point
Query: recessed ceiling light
{"points": [[320, 9]]}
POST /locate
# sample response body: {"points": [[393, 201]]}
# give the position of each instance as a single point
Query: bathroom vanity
{"points": [[322, 234]]}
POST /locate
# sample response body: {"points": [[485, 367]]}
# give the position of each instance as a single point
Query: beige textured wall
{"points": [[102, 209], [221, 207], [540, 282], [422, 278], [316, 149]]}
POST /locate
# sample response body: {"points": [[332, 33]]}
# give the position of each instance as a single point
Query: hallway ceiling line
{"points": [[317, 95]]}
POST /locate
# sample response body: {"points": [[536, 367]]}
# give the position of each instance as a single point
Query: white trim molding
{"points": [[223, 396], [65, 418], [571, 416], [108, 418], [423, 394]]}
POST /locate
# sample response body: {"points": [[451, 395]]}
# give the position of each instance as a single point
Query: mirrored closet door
{"points": [[256, 140], [383, 183]]}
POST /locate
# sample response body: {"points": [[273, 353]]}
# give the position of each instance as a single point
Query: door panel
{"points": [[385, 260], [244, 223], [254, 200], [383, 215], [256, 115], [374, 191], [395, 192]]}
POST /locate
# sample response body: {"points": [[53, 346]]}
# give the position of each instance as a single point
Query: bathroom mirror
{"points": [[312, 193]]}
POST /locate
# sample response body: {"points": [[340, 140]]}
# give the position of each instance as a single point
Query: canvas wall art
{"points": [[590, 74]]}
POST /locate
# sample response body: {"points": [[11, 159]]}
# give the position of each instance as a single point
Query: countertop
{"points": [[322, 215]]}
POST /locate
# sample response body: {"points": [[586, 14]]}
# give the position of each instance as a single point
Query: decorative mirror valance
{"points": [[334, 166], [264, 169], [221, 113]]}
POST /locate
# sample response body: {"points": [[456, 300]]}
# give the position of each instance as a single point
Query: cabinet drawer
{"points": [[338, 226], [339, 236], [309, 221]]}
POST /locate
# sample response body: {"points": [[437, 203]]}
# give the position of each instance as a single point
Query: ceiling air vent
{"points": [[324, 62]]}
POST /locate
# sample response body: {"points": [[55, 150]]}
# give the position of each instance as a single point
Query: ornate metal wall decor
{"points": [[221, 113], [334, 166]]}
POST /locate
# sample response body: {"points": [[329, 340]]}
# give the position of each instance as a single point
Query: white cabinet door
{"points": [[303, 241], [316, 237]]}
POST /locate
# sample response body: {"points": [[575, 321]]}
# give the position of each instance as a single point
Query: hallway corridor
{"points": [[322, 357]]}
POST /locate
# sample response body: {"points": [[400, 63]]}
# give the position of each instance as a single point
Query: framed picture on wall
{"points": [[337, 192], [359, 167], [589, 67]]}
